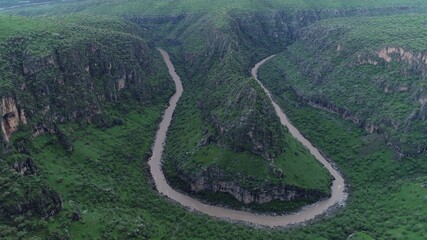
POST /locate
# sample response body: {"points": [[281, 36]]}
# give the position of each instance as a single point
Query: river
{"points": [[338, 194]]}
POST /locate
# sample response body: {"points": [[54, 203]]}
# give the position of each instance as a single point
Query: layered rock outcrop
{"points": [[212, 180], [73, 84], [66, 83], [11, 117], [25, 166]]}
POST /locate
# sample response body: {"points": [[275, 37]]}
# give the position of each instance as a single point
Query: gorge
{"points": [[338, 196]]}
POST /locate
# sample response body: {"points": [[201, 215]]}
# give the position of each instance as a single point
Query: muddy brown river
{"points": [[338, 194]]}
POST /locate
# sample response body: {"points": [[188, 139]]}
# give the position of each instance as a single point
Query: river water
{"points": [[338, 195]]}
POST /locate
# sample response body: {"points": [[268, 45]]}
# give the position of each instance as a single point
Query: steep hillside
{"points": [[367, 71], [52, 77], [224, 120], [214, 56]]}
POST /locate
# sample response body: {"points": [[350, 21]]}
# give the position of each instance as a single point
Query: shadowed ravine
{"points": [[307, 213]]}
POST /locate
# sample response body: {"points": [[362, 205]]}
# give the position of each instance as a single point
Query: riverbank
{"points": [[305, 214]]}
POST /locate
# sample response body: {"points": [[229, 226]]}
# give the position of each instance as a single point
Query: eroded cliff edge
{"points": [[52, 77]]}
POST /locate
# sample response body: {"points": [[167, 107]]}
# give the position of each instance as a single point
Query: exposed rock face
{"points": [[25, 167], [11, 117], [388, 53], [210, 181], [121, 84], [344, 113], [23, 194], [415, 61], [72, 84], [48, 203]]}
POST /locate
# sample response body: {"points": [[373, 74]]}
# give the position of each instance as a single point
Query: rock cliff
{"points": [[73, 84], [11, 117], [65, 83], [380, 88], [214, 180]]}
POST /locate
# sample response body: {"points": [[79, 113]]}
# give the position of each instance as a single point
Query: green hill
{"points": [[366, 70]]}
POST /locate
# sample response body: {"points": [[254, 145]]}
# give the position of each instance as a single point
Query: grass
{"points": [[10, 3], [371, 93], [360, 236], [379, 182], [90, 179], [243, 163], [299, 167], [384, 203], [106, 180], [42, 34], [387, 198], [219, 7]]}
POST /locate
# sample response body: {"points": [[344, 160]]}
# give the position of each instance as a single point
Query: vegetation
{"points": [[91, 145], [346, 69], [387, 199], [379, 182], [231, 123], [46, 34], [11, 3], [219, 7], [295, 167]]}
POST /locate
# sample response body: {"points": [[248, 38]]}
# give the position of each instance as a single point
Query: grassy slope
{"points": [[299, 167], [183, 148], [316, 68], [10, 3], [153, 7], [104, 172], [382, 188], [221, 8], [385, 203], [66, 31]]}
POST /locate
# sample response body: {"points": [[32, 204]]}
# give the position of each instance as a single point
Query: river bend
{"points": [[338, 194]]}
